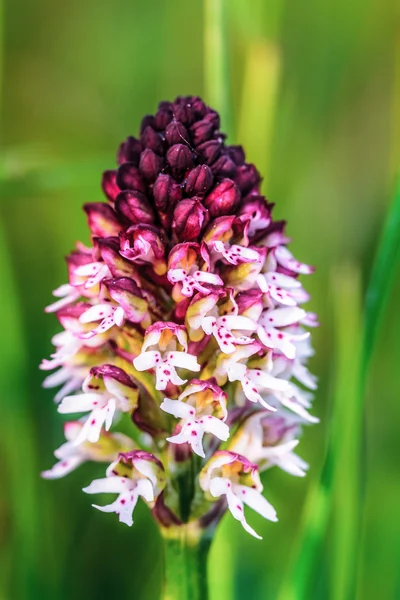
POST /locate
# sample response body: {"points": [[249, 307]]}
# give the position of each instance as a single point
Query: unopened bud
{"points": [[223, 199]]}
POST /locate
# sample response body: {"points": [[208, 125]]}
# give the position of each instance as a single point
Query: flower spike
{"points": [[184, 322]]}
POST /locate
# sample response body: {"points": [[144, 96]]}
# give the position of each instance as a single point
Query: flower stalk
{"points": [[186, 550]]}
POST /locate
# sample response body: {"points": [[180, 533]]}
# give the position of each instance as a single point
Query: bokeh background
{"points": [[314, 89]]}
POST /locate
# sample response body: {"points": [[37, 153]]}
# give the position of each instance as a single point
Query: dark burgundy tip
{"points": [[129, 178], [109, 185], [176, 133], [247, 178], [150, 164], [223, 199], [179, 157], [236, 153], [153, 140], [129, 151], [224, 167], [199, 180], [203, 130], [134, 207], [102, 219], [209, 151], [190, 217], [163, 115], [166, 192]]}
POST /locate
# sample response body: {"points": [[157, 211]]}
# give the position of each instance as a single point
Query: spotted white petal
{"points": [[81, 403], [178, 409], [63, 467], [109, 485]]}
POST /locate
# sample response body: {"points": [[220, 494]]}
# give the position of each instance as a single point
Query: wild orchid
{"points": [[184, 321]]}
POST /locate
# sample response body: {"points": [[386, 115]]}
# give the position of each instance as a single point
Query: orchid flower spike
{"points": [[183, 322]]}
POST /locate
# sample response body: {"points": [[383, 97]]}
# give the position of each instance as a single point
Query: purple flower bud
{"points": [[130, 178], [150, 164], [147, 121], [129, 151], [179, 157], [223, 199], [109, 185], [203, 130], [183, 110], [166, 192], [247, 178], [236, 153], [163, 115], [134, 207], [209, 151], [190, 217], [153, 140], [199, 180], [224, 167], [199, 108], [102, 219], [176, 133]]}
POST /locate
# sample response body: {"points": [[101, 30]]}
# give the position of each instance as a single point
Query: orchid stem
{"points": [[185, 571]]}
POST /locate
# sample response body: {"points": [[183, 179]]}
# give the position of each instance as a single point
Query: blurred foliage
{"points": [[315, 92]]}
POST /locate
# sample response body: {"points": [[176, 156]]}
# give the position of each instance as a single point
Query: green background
{"points": [[315, 93]]}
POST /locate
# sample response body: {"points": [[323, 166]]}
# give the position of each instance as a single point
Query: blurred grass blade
{"points": [[381, 281], [216, 62], [258, 103], [21, 501], [346, 432], [342, 458]]}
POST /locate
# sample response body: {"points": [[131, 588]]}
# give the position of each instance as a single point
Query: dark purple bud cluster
{"points": [[179, 174]]}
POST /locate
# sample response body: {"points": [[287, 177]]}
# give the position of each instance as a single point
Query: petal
{"points": [[183, 360], [274, 278], [63, 467], [282, 317], [81, 403], [146, 360], [60, 376], [179, 410], [285, 258], [205, 277], [166, 373], [216, 427], [268, 381], [109, 485], [195, 440], [256, 501], [238, 323], [123, 506], [281, 296], [145, 489], [235, 506], [219, 486], [295, 407]]}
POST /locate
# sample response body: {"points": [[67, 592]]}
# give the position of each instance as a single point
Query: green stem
{"points": [[185, 572]]}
